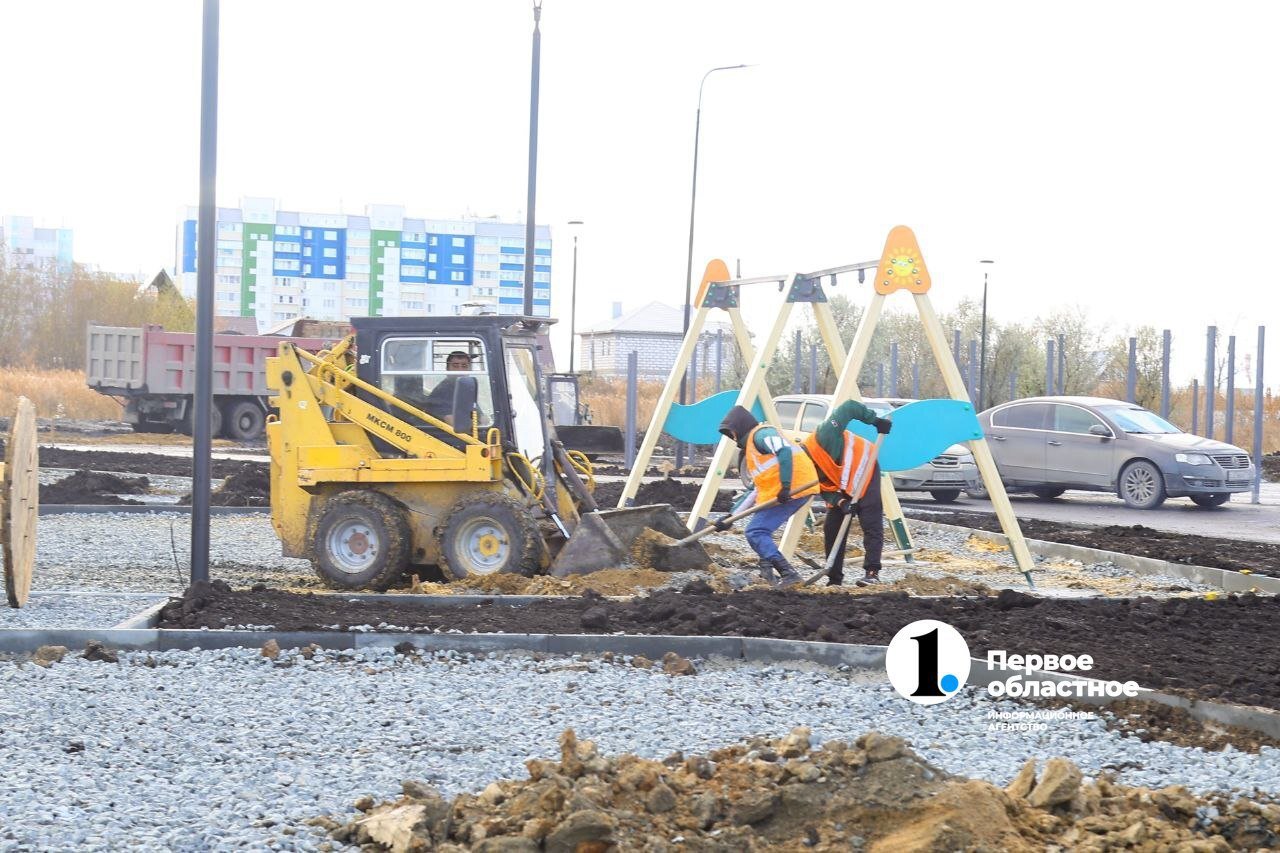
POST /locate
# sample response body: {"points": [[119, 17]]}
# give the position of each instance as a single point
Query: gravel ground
{"points": [[136, 552], [222, 750], [68, 610]]}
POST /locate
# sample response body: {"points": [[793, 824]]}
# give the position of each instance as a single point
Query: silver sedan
{"points": [[1047, 445]]}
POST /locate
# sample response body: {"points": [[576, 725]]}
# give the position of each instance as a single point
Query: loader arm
{"points": [[331, 450]]}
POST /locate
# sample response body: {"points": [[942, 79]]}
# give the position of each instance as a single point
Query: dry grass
{"points": [[608, 399], [56, 394]]}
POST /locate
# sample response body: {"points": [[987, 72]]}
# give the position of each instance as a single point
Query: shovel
{"points": [[663, 553]]}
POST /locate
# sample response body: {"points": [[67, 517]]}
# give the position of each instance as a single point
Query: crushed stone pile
{"points": [[782, 795], [92, 487]]}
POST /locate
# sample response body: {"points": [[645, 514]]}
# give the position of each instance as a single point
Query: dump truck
{"points": [[422, 441], [151, 372]]}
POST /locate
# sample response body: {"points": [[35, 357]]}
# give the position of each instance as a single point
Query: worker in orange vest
{"points": [[778, 470], [843, 461]]}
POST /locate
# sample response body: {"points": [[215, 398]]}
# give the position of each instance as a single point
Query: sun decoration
{"points": [[901, 265]]}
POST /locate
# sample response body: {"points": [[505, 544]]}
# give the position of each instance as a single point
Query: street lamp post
{"points": [[982, 359], [573, 299], [693, 201]]}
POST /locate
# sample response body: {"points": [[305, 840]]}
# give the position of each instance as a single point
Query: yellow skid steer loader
{"points": [[423, 441]]}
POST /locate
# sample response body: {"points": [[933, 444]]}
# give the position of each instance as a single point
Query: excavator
{"points": [[422, 441]]}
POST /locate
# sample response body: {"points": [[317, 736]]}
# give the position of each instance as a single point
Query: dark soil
{"points": [[250, 486], [1259, 557], [90, 487], [135, 463], [1271, 466], [666, 491], [1209, 649]]}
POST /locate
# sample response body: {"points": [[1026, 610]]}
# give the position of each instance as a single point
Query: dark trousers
{"points": [[870, 513]]}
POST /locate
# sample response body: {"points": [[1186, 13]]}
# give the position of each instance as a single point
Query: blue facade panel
{"points": [[511, 250], [189, 245], [316, 240], [512, 267]]}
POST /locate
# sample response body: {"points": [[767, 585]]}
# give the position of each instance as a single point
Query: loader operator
{"points": [[775, 466], [842, 459], [439, 403]]}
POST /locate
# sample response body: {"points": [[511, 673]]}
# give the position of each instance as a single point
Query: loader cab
{"points": [[421, 359]]}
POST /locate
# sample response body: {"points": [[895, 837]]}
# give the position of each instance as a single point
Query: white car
{"points": [[944, 477]]}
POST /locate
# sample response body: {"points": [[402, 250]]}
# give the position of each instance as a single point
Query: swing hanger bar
{"points": [[777, 279]]}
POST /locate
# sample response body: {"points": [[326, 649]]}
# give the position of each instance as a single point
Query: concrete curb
{"points": [[98, 509], [148, 618], [653, 646], [1223, 579]]}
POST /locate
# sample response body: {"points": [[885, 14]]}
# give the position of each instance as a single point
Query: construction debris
{"points": [[875, 794]]}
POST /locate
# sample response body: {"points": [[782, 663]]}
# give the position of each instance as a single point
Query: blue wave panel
{"points": [[922, 430], [699, 423]]}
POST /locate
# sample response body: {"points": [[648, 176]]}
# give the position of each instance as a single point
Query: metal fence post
{"points": [[693, 376], [955, 345], [1195, 407], [1166, 345], [893, 369], [973, 372], [879, 378], [1062, 364], [1131, 376], [1231, 389], [915, 381], [1049, 387], [719, 357], [795, 376], [632, 393], [813, 368], [1259, 424], [1210, 386]]}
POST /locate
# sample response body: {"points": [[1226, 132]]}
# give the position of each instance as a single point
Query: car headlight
{"points": [[1193, 458]]}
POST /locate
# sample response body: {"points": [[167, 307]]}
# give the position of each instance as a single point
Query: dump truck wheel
{"points": [[244, 421], [187, 427], [362, 541], [488, 534]]}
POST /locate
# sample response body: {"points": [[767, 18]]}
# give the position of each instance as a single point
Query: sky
{"points": [[1116, 156]]}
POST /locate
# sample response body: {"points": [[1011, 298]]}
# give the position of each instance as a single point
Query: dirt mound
{"points": [[1186, 548], [665, 491], [91, 487], [1271, 466], [1186, 646], [874, 794], [132, 463], [248, 486]]}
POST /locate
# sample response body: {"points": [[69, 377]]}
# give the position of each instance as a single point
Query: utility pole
{"points": [[533, 161]]}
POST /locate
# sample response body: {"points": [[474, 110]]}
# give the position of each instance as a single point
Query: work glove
{"points": [[784, 494], [722, 524], [882, 425], [847, 505]]}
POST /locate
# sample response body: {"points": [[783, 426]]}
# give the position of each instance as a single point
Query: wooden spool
{"points": [[19, 503]]}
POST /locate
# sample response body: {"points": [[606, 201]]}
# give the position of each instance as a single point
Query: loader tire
{"points": [[362, 541], [487, 534]]}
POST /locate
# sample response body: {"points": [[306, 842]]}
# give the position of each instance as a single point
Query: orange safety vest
{"points": [[856, 461], [764, 472]]}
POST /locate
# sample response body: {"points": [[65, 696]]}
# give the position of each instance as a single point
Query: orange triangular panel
{"points": [[902, 266], [717, 270]]}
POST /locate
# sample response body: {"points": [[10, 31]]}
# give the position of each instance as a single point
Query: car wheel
{"points": [[1047, 493], [1142, 485], [1216, 499], [945, 496], [978, 492]]}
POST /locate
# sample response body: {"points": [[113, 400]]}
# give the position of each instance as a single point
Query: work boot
{"points": [[871, 575], [766, 572], [835, 578], [789, 577]]}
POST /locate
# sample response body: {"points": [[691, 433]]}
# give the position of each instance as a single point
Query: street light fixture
{"points": [[982, 359], [693, 200], [573, 299]]}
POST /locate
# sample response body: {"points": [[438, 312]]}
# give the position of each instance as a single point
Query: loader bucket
{"points": [[606, 540], [591, 439]]}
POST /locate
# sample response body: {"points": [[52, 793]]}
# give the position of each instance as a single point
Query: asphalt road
{"points": [[1237, 519]]}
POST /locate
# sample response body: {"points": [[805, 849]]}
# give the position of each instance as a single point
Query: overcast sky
{"points": [[1120, 156]]}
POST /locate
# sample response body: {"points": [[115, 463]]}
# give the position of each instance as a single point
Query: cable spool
{"points": [[19, 503]]}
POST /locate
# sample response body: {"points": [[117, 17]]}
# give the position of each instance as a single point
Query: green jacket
{"points": [[830, 433]]}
